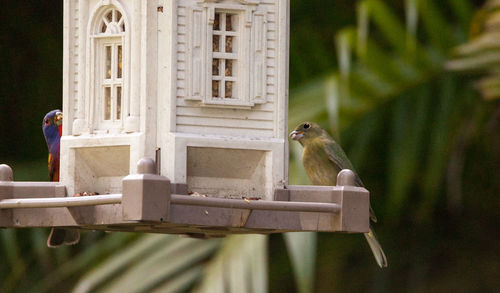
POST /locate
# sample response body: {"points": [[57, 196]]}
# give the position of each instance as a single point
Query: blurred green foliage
{"points": [[376, 74]]}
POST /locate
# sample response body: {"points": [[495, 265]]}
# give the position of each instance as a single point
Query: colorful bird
{"points": [[52, 130], [323, 159]]}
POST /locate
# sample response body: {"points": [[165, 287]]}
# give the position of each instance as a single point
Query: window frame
{"points": [[222, 56], [200, 54], [113, 82], [118, 35]]}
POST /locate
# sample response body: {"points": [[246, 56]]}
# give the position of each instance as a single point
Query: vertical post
{"points": [[132, 121], [355, 203], [80, 125], [158, 161], [146, 195], [6, 177], [346, 177], [6, 173]]}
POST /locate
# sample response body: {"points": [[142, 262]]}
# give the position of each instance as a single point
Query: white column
{"points": [[80, 125], [132, 121]]}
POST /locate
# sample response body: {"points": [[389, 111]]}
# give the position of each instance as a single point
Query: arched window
{"points": [[108, 69], [112, 22]]}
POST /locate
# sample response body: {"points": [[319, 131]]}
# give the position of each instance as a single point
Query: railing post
{"points": [[146, 195], [6, 177], [355, 203]]}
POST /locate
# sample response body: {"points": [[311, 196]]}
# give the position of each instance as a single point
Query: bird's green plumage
{"points": [[317, 163], [323, 158]]}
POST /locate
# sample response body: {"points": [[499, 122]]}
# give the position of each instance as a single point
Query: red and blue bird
{"points": [[52, 130]]}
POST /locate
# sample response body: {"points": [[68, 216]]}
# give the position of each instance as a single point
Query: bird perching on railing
{"points": [[323, 159], [52, 130]]}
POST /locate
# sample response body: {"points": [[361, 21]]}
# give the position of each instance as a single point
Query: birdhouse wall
{"points": [[203, 81], [225, 134], [109, 91], [227, 64]]}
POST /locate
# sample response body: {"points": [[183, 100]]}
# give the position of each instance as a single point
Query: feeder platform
{"points": [[150, 203]]}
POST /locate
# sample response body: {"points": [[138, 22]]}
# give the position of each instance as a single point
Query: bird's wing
{"points": [[337, 156]]}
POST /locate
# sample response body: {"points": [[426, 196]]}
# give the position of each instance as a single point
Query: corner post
{"points": [[355, 203], [6, 191], [146, 196]]}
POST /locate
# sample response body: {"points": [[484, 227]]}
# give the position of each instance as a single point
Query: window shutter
{"points": [[195, 55], [259, 54]]}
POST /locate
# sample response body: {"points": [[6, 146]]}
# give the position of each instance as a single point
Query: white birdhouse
{"points": [[202, 81], [200, 85]]}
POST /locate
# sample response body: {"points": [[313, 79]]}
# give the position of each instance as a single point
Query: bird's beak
{"points": [[58, 118], [296, 135]]}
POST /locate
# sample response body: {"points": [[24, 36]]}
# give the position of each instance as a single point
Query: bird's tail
{"points": [[377, 250], [59, 237]]}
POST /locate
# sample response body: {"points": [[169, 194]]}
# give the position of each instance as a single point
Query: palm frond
{"points": [[154, 261], [239, 266], [302, 250], [481, 55]]}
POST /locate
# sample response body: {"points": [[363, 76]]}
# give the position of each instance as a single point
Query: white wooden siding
{"points": [[259, 120]]}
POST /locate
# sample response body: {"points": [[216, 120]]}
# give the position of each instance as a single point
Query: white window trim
{"points": [[94, 84], [225, 56], [113, 82], [251, 62]]}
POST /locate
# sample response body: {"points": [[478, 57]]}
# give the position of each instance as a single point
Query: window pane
{"points": [[103, 28], [229, 44], [229, 22], [108, 62], [215, 88], [215, 43], [107, 103], [119, 62], [229, 67], [215, 66], [118, 16], [118, 102], [224, 69], [228, 90], [217, 22], [109, 16]]}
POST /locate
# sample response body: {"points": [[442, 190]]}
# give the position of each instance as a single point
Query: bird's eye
{"points": [[46, 121], [307, 125]]}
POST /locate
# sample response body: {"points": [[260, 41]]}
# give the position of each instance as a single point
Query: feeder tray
{"points": [[150, 203]]}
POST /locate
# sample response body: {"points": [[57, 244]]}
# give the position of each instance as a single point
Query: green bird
{"points": [[323, 158]]}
